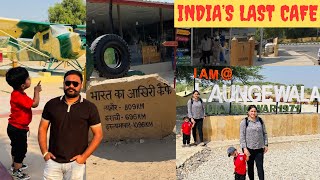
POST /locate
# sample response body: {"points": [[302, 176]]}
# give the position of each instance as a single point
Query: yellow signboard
{"points": [[183, 32], [249, 13]]}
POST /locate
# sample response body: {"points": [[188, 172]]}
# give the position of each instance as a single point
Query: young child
{"points": [[239, 161], [186, 131], [20, 117]]}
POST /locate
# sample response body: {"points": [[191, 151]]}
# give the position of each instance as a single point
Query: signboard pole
{"points": [[183, 50]]}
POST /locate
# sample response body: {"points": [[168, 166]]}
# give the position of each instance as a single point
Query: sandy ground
{"points": [[146, 159], [152, 159], [295, 158]]}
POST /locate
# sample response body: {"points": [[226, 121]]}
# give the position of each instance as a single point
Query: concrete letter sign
{"points": [[134, 107]]}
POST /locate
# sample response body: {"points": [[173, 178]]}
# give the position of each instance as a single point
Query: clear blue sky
{"points": [[36, 10], [307, 75]]}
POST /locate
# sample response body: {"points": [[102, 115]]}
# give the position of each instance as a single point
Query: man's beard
{"points": [[74, 94]]}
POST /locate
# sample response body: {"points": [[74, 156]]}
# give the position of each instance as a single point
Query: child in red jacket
{"points": [[186, 131], [20, 117], [239, 161]]}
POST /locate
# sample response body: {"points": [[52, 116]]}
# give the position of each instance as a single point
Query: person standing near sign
{"points": [[206, 49], [254, 141], [70, 117], [196, 112]]}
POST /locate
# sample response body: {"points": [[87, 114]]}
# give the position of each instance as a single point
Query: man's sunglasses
{"points": [[74, 83]]}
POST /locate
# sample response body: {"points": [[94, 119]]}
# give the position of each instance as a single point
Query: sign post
{"points": [[173, 44], [184, 38]]}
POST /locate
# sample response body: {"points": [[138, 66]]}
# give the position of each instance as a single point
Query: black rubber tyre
{"points": [[99, 46]]}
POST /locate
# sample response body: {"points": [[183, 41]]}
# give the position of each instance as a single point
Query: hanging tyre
{"points": [[111, 56]]}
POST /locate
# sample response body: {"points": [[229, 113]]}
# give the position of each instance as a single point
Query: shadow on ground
{"points": [[34, 160]]}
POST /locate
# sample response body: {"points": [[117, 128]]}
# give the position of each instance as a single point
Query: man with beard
{"points": [[69, 117]]}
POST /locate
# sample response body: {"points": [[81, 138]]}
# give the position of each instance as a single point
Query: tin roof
{"points": [[168, 4]]}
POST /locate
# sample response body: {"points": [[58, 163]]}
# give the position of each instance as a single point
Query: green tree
{"points": [[68, 12], [246, 74], [289, 33], [269, 33]]}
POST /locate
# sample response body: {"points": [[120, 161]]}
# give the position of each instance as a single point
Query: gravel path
{"points": [[284, 161]]}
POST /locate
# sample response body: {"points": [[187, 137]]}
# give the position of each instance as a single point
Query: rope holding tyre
{"points": [[122, 55]]}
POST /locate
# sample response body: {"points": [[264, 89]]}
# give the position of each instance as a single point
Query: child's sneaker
{"points": [[183, 145], [24, 166], [20, 176]]}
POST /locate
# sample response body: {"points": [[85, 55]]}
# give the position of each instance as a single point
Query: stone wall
{"points": [[219, 128]]}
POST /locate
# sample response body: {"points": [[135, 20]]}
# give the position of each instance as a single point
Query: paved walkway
{"points": [[196, 61], [285, 58]]}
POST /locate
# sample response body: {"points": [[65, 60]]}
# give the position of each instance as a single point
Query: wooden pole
{"points": [[251, 51]]}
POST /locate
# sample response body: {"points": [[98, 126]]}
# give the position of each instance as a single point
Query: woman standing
{"points": [[254, 141], [196, 112]]}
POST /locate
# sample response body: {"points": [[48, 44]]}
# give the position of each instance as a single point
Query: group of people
{"points": [[253, 138], [69, 117], [215, 47]]}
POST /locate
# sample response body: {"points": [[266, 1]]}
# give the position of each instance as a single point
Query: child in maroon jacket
{"points": [[186, 131], [239, 161]]}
